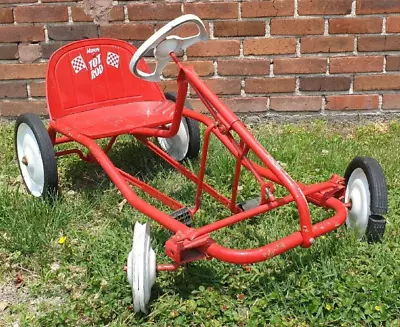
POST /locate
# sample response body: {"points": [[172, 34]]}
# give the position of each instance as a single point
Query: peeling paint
{"points": [[99, 10]]}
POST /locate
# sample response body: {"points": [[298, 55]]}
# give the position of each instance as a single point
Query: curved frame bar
{"points": [[247, 256]]}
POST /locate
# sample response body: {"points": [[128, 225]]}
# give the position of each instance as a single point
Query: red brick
{"points": [[315, 44], [223, 86], [245, 67], [393, 63], [270, 85], [356, 64], [16, 108], [79, 15], [153, 11], [16, 1], [13, 90], [377, 7], [393, 24], [45, 1], [37, 14], [300, 65], [239, 28], [377, 82], [38, 89], [293, 26], [214, 48], [269, 46], [352, 102], [247, 104], [213, 10], [355, 25], [379, 43], [391, 101], [116, 14], [8, 51], [296, 103], [267, 8], [127, 31], [324, 7], [22, 71], [168, 86], [202, 68], [72, 32], [6, 15], [325, 83], [12, 33]]}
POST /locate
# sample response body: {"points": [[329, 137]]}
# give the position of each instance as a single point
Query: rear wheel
{"points": [[366, 190], [35, 155], [186, 143]]}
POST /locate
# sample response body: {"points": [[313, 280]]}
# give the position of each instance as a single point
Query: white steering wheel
{"points": [[163, 45]]}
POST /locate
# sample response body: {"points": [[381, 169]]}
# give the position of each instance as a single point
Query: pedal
{"points": [[376, 228], [183, 215], [250, 204]]}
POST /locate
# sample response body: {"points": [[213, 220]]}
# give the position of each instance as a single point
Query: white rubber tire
{"points": [[357, 192], [141, 267], [35, 156]]}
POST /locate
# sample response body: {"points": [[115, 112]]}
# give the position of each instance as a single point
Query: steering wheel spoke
{"points": [[163, 45]]}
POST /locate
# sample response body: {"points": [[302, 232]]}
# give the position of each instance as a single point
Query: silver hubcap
{"points": [[357, 192], [177, 146]]}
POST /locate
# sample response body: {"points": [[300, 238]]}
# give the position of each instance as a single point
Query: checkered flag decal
{"points": [[112, 59], [78, 64]]}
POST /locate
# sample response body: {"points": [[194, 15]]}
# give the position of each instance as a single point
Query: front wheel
{"points": [[366, 191], [186, 143], [141, 267]]}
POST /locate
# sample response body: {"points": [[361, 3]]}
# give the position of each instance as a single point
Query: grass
{"points": [[339, 281]]}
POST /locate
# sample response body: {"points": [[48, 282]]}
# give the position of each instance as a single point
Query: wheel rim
{"points": [[30, 160], [141, 267], [178, 145], [357, 192]]}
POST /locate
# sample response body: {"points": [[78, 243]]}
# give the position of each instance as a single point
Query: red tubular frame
{"points": [[190, 244]]}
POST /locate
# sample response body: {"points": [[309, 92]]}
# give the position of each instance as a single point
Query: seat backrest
{"points": [[89, 74]]}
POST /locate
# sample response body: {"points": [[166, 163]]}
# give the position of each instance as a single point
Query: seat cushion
{"points": [[120, 119]]}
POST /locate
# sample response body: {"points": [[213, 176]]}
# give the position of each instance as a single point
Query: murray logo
{"points": [[92, 50]]}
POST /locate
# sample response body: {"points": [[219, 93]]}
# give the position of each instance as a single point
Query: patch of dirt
{"points": [[11, 295]]}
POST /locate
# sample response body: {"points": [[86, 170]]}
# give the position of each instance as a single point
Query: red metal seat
{"points": [[90, 89]]}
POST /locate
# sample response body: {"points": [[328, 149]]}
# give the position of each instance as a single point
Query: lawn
{"points": [[339, 281]]}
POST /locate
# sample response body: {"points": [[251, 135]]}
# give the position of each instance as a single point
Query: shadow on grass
{"points": [[127, 155], [300, 262]]}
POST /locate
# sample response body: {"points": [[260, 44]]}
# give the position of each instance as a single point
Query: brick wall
{"points": [[316, 56]]}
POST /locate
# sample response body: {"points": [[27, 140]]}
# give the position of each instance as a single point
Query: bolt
{"points": [[24, 161]]}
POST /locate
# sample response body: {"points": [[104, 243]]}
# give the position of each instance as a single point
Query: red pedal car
{"points": [[102, 88]]}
